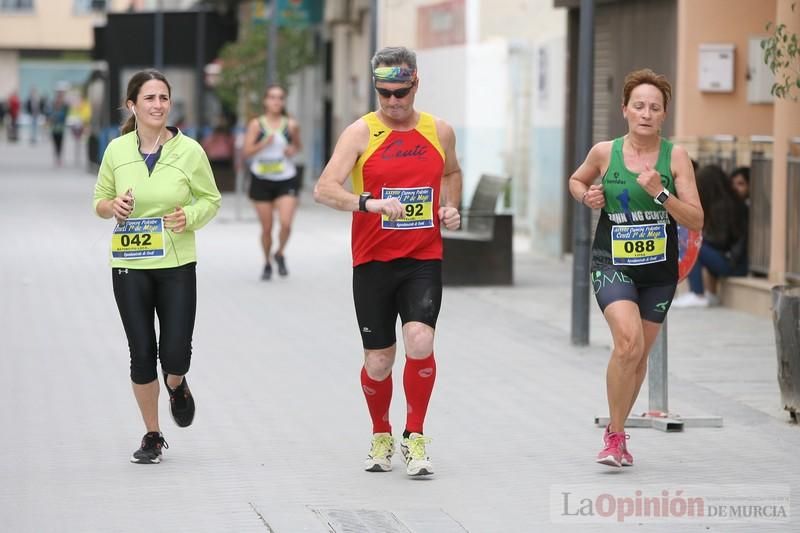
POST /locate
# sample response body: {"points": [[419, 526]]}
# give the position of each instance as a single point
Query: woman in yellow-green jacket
{"points": [[158, 185]]}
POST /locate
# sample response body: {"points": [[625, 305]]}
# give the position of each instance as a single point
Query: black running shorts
{"points": [[611, 285], [382, 290], [262, 190]]}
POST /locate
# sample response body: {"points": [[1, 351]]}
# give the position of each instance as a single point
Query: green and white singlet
{"points": [[635, 235]]}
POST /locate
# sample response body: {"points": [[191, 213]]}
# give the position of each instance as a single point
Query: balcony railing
{"points": [[718, 150]]}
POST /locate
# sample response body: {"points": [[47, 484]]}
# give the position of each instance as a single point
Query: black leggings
{"points": [[170, 292]]}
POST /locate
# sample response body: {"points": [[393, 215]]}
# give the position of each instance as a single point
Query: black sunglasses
{"points": [[397, 93]]}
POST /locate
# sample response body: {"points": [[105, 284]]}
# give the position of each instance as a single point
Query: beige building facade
{"points": [[762, 126]]}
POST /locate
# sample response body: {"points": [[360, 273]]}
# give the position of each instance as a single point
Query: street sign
{"points": [[299, 13]]}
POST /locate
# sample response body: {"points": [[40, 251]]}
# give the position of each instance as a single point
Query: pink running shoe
{"points": [[612, 453], [627, 458]]}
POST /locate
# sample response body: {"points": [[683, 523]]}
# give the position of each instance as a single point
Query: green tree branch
{"points": [[782, 56]]}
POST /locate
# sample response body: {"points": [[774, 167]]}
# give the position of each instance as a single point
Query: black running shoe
{"points": [[181, 403], [267, 274], [150, 451], [281, 261]]}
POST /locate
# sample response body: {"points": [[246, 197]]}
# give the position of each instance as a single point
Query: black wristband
{"points": [[362, 201]]}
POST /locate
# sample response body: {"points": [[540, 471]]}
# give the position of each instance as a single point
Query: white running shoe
{"points": [[380, 453], [417, 461], [689, 299], [713, 299]]}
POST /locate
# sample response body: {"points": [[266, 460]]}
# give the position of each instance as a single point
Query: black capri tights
{"points": [[170, 292]]}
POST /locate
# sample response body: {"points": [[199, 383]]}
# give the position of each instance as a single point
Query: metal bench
{"points": [[480, 253]]}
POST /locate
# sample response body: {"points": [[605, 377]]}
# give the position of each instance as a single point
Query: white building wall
{"points": [[503, 92], [467, 87]]}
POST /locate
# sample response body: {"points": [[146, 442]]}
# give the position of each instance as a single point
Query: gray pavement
{"points": [[282, 428]]}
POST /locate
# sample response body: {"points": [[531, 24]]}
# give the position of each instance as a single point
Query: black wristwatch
{"points": [[662, 197], [362, 201]]}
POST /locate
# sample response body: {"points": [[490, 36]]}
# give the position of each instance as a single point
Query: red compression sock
{"points": [[418, 378], [379, 397]]}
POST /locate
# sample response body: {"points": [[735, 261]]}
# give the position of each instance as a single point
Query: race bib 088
{"points": [[641, 244]]}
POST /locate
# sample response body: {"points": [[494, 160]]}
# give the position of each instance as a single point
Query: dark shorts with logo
{"points": [[262, 190], [611, 285], [382, 290]]}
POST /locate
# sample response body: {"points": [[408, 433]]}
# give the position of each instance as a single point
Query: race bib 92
{"points": [[417, 208]]}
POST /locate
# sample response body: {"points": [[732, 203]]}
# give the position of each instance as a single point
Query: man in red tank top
{"points": [[406, 186]]}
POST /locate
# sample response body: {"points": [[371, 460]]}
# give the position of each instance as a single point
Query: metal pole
{"points": [[583, 142], [272, 45], [158, 43], [373, 47], [657, 374]]}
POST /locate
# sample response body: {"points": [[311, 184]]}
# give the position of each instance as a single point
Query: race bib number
{"points": [[639, 245], [268, 167], [138, 238], [417, 208]]}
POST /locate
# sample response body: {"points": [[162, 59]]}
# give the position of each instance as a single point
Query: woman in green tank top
{"points": [[647, 187]]}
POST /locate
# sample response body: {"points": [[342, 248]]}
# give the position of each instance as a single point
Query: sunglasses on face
{"points": [[397, 93]]}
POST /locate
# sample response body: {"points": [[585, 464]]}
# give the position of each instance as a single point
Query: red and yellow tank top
{"points": [[407, 165]]}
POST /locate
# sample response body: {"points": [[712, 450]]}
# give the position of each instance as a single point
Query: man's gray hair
{"points": [[393, 56]]}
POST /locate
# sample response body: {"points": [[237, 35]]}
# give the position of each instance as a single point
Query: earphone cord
{"points": [[136, 125], [152, 150]]}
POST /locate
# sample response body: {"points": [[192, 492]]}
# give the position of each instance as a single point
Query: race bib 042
{"points": [[138, 238]]}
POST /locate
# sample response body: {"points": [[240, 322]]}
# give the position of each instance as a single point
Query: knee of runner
{"points": [[378, 366], [419, 341], [628, 349], [143, 376], [143, 366], [176, 360]]}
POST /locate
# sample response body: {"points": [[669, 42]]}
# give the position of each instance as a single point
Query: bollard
{"points": [[786, 319]]}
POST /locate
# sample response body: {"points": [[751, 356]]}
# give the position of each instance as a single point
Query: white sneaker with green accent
{"points": [[380, 454], [417, 461]]}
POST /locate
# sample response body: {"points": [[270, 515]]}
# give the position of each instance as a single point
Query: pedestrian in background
{"points": [[13, 115], [406, 187], [57, 120], [723, 252], [34, 106], [740, 182], [270, 144], [3, 113], [647, 187], [158, 185]]}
